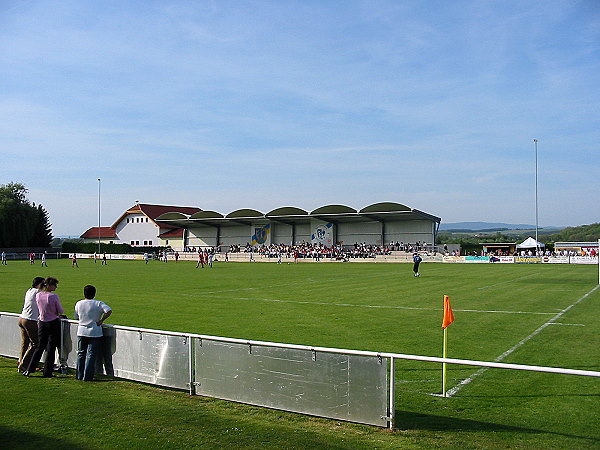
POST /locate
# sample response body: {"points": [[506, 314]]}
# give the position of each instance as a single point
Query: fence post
{"points": [[191, 362], [392, 406]]}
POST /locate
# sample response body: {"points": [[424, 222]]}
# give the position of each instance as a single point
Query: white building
{"points": [[138, 227]]}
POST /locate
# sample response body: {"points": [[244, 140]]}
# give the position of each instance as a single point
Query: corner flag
{"points": [[448, 315], [448, 319]]}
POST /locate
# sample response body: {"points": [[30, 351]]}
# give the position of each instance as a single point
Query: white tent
{"points": [[530, 243]]}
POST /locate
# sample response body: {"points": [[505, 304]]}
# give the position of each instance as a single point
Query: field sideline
{"points": [[526, 314]]}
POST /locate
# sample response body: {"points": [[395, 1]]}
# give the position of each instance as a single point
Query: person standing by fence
{"points": [[91, 314], [28, 324], [50, 313]]}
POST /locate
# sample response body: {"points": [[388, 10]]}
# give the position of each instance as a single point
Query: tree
{"points": [[42, 233], [20, 220]]}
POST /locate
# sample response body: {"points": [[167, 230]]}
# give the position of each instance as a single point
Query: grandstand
{"points": [[377, 224]]}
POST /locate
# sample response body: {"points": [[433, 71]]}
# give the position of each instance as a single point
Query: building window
{"points": [[149, 242], [137, 242], [132, 243]]}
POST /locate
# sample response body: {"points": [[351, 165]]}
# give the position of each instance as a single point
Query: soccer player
{"points": [[417, 260]]}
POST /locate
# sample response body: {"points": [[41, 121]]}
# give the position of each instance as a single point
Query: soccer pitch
{"points": [[544, 315]]}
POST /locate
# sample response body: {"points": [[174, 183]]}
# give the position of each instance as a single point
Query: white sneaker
{"points": [[417, 274]]}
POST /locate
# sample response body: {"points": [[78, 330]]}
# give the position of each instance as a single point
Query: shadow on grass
{"points": [[17, 439], [406, 420]]}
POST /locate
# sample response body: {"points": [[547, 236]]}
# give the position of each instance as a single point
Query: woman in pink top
{"points": [[50, 312]]}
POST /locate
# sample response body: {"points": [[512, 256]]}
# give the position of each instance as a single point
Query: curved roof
{"points": [[172, 216], [244, 213], [385, 207], [207, 215], [334, 209], [288, 211], [380, 212]]}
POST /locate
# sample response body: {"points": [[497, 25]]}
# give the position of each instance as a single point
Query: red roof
{"points": [[174, 233], [102, 232], [153, 211]]}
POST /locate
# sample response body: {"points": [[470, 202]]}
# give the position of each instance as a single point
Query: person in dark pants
{"points": [[50, 312], [28, 323], [416, 260]]}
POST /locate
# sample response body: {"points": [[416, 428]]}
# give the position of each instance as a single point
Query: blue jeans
{"points": [[87, 350]]}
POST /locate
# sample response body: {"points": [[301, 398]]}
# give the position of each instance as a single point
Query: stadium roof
{"points": [[378, 212]]}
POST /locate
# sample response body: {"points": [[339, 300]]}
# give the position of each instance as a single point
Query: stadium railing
{"points": [[350, 385]]}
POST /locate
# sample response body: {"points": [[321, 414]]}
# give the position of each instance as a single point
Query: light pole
{"points": [[535, 142], [99, 185]]}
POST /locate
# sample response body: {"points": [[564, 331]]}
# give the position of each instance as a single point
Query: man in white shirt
{"points": [[91, 313]]}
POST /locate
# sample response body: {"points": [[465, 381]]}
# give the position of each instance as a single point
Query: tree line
{"points": [[22, 223]]}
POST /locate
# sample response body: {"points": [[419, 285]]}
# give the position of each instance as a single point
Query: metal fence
{"points": [[306, 380], [351, 385]]}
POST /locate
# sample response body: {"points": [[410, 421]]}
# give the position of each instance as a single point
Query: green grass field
{"points": [[380, 307]]}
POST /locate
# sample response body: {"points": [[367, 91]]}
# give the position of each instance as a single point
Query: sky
{"points": [[262, 104]]}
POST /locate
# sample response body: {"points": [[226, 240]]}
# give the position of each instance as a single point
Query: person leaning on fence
{"points": [[50, 312], [91, 313], [28, 324]]}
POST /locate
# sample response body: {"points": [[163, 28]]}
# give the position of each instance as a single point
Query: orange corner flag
{"points": [[448, 315]]}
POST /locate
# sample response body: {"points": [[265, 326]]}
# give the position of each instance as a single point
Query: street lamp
{"points": [[99, 185], [535, 142]]}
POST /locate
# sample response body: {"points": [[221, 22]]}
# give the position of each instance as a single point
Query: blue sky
{"points": [[261, 104]]}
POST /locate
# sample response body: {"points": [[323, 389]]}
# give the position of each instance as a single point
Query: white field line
{"points": [[552, 321], [300, 302]]}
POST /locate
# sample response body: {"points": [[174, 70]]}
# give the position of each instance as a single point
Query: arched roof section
{"points": [[207, 215], [385, 207], [288, 211], [244, 213], [172, 216], [334, 209]]}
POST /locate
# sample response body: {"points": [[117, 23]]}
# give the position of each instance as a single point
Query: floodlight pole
{"points": [[535, 142], [99, 185]]}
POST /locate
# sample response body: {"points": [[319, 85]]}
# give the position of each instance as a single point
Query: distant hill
{"points": [[488, 226]]}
